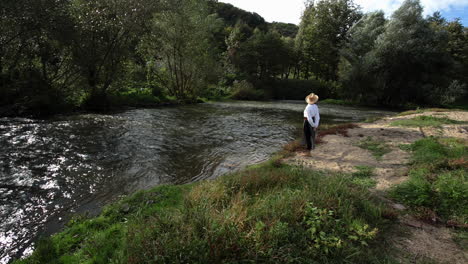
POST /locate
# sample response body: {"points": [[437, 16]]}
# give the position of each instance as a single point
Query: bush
{"points": [[244, 90], [453, 93]]}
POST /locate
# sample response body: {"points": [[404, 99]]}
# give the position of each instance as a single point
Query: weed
{"points": [[377, 148]]}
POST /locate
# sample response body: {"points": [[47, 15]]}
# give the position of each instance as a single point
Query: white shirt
{"points": [[311, 111]]}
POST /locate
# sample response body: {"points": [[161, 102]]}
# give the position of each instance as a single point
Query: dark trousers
{"points": [[309, 134]]}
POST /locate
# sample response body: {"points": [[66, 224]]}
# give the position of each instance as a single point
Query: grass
{"points": [[376, 147], [437, 187], [363, 177], [269, 213], [426, 121]]}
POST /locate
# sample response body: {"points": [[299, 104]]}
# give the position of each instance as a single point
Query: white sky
{"points": [[290, 11]]}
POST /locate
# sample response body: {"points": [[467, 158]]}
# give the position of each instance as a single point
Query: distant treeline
{"points": [[58, 55]]}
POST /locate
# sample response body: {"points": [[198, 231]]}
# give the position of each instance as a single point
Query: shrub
{"points": [[245, 91]]}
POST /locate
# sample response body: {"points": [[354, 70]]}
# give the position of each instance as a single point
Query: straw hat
{"points": [[312, 98]]}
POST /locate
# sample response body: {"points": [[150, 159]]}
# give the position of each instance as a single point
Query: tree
{"points": [[284, 29], [357, 61], [180, 47], [322, 33], [410, 61], [104, 39], [264, 56], [36, 69]]}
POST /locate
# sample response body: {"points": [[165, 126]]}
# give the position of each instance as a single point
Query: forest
{"points": [[64, 55]]}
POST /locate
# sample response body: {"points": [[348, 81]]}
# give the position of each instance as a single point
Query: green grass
{"points": [[363, 177], [269, 213], [104, 239], [461, 238], [426, 121], [437, 181], [377, 148]]}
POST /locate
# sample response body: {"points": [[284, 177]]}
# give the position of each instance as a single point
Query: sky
{"points": [[289, 11]]}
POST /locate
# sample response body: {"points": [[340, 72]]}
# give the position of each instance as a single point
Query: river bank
{"points": [[277, 211]]}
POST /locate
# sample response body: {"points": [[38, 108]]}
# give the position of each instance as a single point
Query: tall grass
{"points": [[265, 214]]}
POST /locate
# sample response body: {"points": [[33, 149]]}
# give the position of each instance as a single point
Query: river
{"points": [[51, 169]]}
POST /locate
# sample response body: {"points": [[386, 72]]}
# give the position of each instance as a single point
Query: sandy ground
{"points": [[341, 154]]}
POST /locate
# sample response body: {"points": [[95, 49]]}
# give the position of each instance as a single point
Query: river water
{"points": [[52, 169]]}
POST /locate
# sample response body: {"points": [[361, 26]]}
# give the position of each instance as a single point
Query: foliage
{"points": [[180, 48], [263, 55], [294, 89], [396, 68], [109, 28], [407, 59], [36, 68], [356, 61], [245, 91], [60, 55], [322, 34], [233, 15], [437, 179], [285, 29], [425, 121]]}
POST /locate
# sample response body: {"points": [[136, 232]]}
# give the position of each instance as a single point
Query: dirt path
{"points": [[342, 154]]}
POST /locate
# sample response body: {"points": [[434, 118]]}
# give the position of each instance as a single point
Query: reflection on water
{"points": [[50, 169]]}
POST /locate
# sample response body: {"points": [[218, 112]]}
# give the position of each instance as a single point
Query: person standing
{"points": [[311, 120]]}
